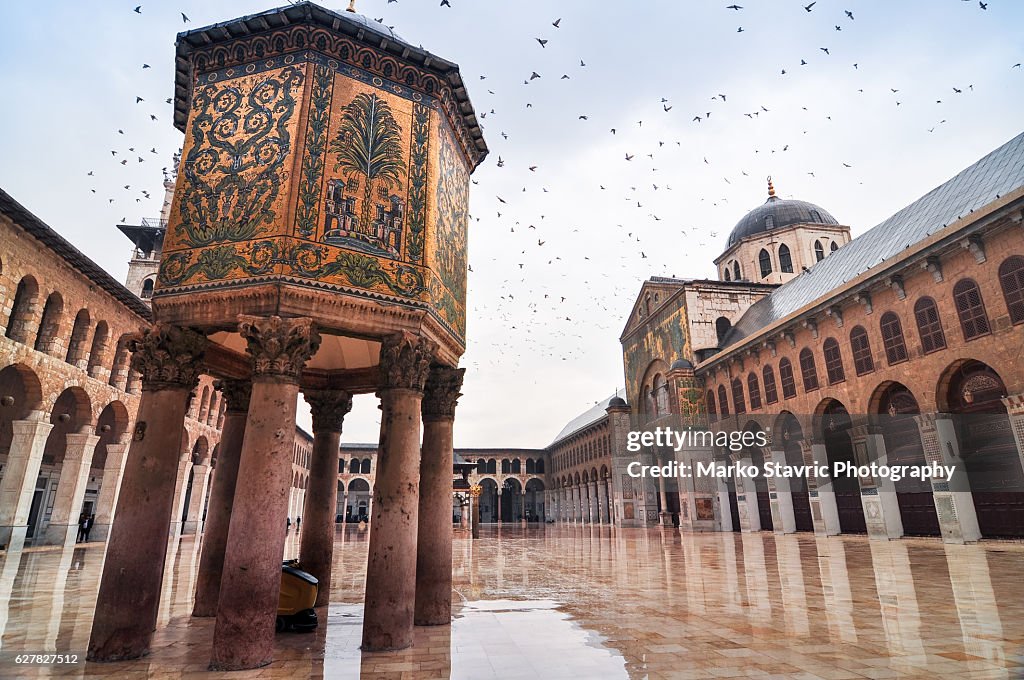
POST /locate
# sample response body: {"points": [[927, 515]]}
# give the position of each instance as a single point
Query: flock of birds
{"points": [[544, 287]]}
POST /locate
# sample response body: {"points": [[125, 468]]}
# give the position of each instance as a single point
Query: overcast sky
{"points": [[557, 265]]}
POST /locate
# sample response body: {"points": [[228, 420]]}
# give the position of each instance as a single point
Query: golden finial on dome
{"points": [[351, 6], [771, 188]]}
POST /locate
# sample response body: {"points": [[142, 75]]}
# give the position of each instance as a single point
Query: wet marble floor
{"points": [[593, 602]]}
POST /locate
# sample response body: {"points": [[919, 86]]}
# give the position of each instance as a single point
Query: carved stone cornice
{"points": [[442, 392], [405, 361], [168, 357], [329, 408], [236, 394], [279, 347]]}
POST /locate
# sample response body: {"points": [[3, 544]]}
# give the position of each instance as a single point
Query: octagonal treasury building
{"points": [[316, 242]]}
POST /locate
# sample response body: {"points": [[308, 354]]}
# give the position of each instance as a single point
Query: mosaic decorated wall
{"points": [[663, 337], [314, 171]]}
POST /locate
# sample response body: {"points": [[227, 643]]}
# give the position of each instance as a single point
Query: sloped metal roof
{"points": [[588, 417], [995, 175]]}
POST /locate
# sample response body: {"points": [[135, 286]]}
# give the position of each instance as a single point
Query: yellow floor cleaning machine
{"points": [[298, 595]]}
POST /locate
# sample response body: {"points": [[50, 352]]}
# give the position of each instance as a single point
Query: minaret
{"points": [[148, 239]]}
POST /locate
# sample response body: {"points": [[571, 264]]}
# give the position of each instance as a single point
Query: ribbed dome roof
{"points": [[776, 213]]}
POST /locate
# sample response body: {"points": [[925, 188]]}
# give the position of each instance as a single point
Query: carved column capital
{"points": [[236, 394], [279, 347], [329, 408], [168, 357], [405, 361], [441, 392]]}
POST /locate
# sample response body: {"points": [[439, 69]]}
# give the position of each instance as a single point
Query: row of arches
{"points": [[511, 501], [971, 314], [88, 344], [972, 392], [585, 496], [355, 466], [510, 466]]}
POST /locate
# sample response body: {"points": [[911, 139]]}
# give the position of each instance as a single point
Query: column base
{"points": [[61, 534], [13, 538]]}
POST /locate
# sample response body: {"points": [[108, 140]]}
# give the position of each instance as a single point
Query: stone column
{"points": [[74, 476], [434, 533], [602, 502], [180, 489], [19, 480], [954, 503], [316, 544], [113, 468], [824, 511], [877, 496], [388, 613], [498, 503], [194, 516], [746, 496], [168, 357], [250, 586], [783, 502], [222, 497], [595, 503]]}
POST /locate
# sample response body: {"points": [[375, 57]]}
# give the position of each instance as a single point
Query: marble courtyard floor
{"points": [[586, 602]]}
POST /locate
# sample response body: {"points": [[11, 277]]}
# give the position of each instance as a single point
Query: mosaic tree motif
{"points": [[369, 146], [236, 165]]}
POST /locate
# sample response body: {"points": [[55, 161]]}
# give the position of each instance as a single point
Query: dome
{"points": [[776, 213], [681, 364], [617, 402]]}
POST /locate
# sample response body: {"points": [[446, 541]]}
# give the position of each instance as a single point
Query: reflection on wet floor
{"points": [[594, 602]]}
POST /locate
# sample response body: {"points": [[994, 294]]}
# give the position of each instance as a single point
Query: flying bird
{"points": [[543, 43], [808, 7], [184, 18]]}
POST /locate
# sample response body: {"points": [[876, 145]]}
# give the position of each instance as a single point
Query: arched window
{"points": [[722, 326], [49, 325], [723, 401], [353, 466], [492, 466], [79, 333], [808, 371], [860, 346], [771, 394], [786, 376], [892, 338], [736, 271], [364, 467], [147, 289], [929, 327], [481, 467], [531, 467], [833, 246], [506, 466], [833, 362], [98, 351], [737, 396], [712, 413], [764, 259], [517, 467], [540, 466], [22, 310], [819, 251], [728, 275], [785, 259], [970, 307], [755, 391], [1011, 278]]}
